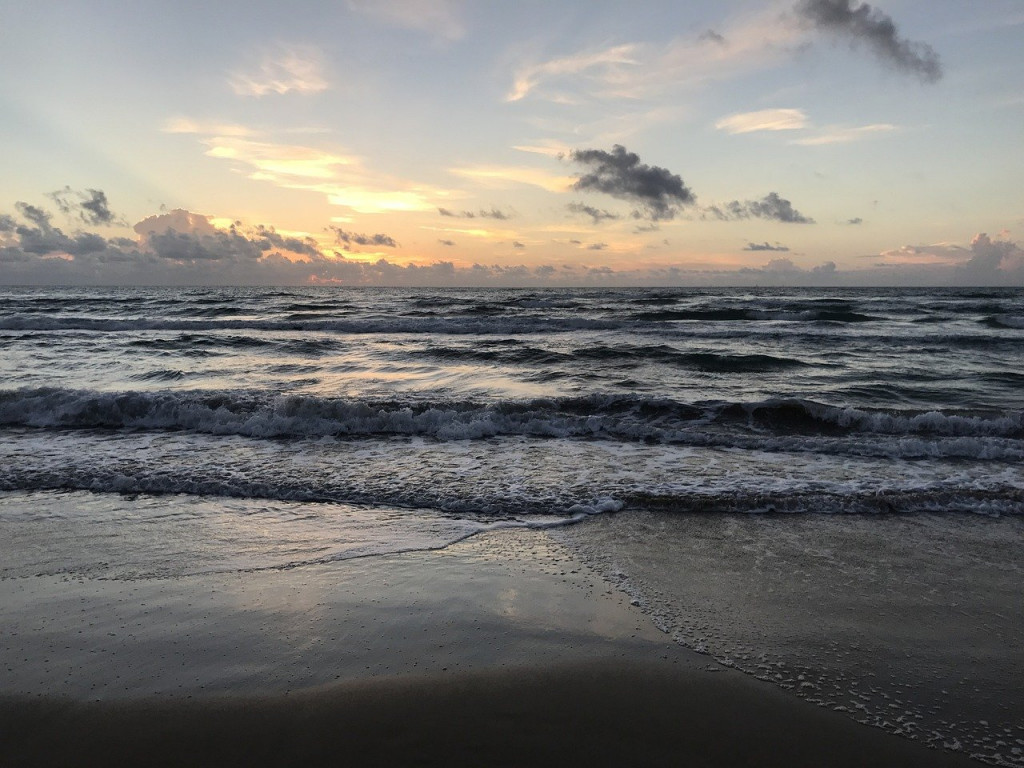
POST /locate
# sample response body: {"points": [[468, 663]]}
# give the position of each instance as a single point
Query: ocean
{"points": [[820, 442]]}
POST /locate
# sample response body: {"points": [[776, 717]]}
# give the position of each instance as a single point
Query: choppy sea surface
{"points": [[305, 425]]}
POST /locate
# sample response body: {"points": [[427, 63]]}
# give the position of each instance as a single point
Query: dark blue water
{"points": [[709, 400]]}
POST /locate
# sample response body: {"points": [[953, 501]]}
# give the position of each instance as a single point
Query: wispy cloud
{"points": [[503, 176], [645, 70], [763, 120], [840, 135], [278, 159], [529, 76], [796, 120], [547, 147], [479, 232], [282, 70], [440, 18], [209, 128], [342, 178]]}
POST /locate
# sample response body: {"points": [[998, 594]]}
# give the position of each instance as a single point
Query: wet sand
{"points": [[501, 650], [588, 713]]}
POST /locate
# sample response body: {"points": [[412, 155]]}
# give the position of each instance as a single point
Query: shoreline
{"points": [[502, 649]]}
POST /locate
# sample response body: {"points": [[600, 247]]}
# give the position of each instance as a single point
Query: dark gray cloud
{"points": [[596, 214], [193, 246], [96, 210], [517, 244], [771, 207], [91, 206], [493, 213], [354, 238], [619, 173], [766, 246], [41, 238], [268, 239], [447, 242], [38, 216], [597, 246], [710, 36], [855, 221], [860, 23]]}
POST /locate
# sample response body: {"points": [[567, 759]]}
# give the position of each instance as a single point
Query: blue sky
{"points": [[435, 141]]}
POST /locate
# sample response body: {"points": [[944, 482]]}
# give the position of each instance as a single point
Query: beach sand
{"points": [[504, 649]]}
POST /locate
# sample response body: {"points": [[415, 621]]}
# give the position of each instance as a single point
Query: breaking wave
{"points": [[770, 425]]}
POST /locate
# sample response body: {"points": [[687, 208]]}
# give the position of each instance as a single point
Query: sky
{"points": [[448, 142]]}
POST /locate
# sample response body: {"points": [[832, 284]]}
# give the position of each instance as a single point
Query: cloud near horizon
{"points": [[180, 247], [984, 262]]}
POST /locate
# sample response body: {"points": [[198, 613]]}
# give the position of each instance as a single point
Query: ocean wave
{"points": [[1015, 322], [621, 355], [717, 362], [770, 425], [565, 504], [160, 374], [433, 325], [733, 314]]}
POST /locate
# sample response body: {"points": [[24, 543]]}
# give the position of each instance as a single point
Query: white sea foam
{"points": [[511, 477]]}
